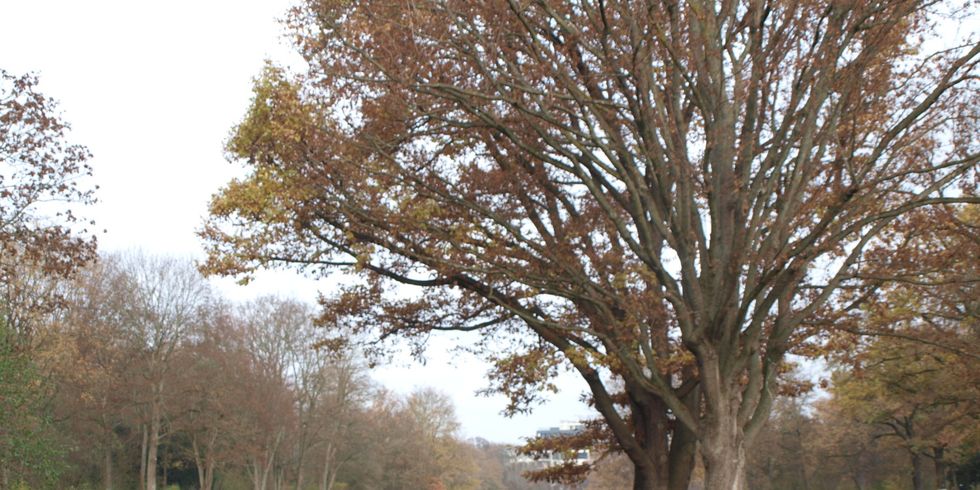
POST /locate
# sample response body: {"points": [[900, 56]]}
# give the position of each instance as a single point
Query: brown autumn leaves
{"points": [[40, 188], [671, 199], [668, 198], [673, 195]]}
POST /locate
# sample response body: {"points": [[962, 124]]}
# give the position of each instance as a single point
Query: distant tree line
{"points": [[143, 377]]}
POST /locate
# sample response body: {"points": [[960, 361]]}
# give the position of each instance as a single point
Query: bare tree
{"points": [[166, 300]]}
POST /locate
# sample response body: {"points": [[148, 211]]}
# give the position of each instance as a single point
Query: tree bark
{"points": [[205, 462], [650, 431], [645, 479], [672, 466], [257, 474], [665, 457], [722, 436], [940, 466], [724, 465], [918, 483], [107, 471], [723, 445], [683, 448], [153, 446], [326, 479], [143, 444], [300, 459]]}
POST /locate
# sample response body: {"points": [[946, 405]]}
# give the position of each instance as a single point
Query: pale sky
{"points": [[153, 89]]}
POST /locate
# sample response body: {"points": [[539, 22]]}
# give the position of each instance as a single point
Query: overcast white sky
{"points": [[153, 88]]}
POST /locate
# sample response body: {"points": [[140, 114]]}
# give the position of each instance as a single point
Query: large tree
{"points": [[670, 195]]}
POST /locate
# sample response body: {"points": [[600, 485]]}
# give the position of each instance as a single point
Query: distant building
{"points": [[552, 459]]}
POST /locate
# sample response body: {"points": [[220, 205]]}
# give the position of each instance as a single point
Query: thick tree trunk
{"points": [[665, 458], [651, 432], [645, 479], [723, 447], [722, 436], [724, 467], [671, 467], [683, 448]]}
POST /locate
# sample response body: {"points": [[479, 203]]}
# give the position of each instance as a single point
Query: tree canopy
{"points": [[38, 168], [670, 195]]}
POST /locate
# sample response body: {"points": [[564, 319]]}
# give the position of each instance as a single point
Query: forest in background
{"points": [[135, 367], [140, 369]]}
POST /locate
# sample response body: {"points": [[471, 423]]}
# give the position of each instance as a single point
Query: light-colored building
{"points": [[563, 429]]}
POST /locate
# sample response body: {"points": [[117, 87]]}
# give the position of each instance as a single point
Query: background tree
{"points": [[780, 458], [40, 243], [94, 386], [216, 391], [345, 395], [915, 378], [927, 400], [166, 301], [31, 453], [677, 193], [40, 174], [271, 328]]}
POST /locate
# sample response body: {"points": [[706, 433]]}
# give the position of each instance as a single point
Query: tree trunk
{"points": [[651, 432], [153, 446], [724, 467], [918, 483], [107, 470], [645, 479], [299, 464], [940, 466], [204, 462], [258, 483], [144, 442], [683, 448], [723, 448], [326, 479], [670, 471], [722, 436]]}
